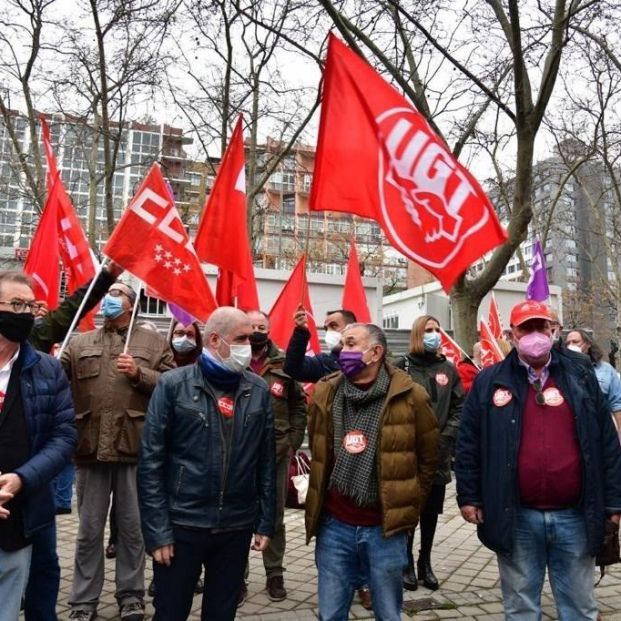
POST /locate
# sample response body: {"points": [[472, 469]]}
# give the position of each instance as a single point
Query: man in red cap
{"points": [[538, 468]]}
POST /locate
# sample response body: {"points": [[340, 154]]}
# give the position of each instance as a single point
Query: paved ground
{"points": [[467, 572]]}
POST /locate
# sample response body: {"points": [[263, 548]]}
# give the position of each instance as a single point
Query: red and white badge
{"points": [[355, 441], [441, 379], [277, 389], [501, 397], [553, 397], [225, 405], [2, 396]]}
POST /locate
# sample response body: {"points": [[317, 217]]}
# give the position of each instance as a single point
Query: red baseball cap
{"points": [[529, 309]]}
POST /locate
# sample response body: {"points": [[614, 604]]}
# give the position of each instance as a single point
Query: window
{"points": [[391, 322]]}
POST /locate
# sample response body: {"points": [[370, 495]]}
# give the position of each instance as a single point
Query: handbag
{"points": [[300, 479], [609, 553]]}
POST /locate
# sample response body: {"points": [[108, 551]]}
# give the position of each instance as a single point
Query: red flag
{"points": [[222, 236], [377, 157], [43, 261], [151, 242], [450, 348], [293, 293], [494, 320], [50, 158], [490, 352], [354, 297]]}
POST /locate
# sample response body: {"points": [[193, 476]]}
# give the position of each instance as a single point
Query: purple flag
{"points": [[538, 282], [185, 319]]}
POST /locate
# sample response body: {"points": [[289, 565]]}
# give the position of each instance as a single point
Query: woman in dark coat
{"points": [[440, 379]]}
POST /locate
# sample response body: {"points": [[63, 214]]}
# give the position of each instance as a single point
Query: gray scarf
{"points": [[355, 474]]}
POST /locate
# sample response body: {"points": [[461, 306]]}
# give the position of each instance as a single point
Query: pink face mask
{"points": [[534, 345]]}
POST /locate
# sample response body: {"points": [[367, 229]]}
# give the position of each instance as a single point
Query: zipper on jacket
{"points": [[179, 478]]}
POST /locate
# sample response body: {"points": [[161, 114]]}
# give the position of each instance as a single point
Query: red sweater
{"points": [[549, 459]]}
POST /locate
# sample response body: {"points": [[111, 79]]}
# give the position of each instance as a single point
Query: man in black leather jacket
{"points": [[206, 475]]}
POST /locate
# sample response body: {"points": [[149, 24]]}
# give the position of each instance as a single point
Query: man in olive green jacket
{"points": [[111, 391], [289, 405], [374, 444]]}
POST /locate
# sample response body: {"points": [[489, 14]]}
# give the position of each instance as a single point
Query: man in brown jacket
{"points": [[374, 443], [289, 405], [111, 391]]}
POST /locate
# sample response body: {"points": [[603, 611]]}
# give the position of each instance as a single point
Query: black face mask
{"points": [[16, 327], [258, 340]]}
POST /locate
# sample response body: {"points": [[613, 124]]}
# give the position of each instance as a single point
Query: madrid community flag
{"points": [[222, 236], [377, 157], [43, 260], [354, 297], [151, 242], [294, 293], [537, 288], [490, 351], [493, 319]]}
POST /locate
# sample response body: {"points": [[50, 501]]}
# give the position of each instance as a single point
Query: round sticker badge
{"points": [[441, 379], [355, 441], [277, 389], [553, 397], [501, 397], [225, 405]]}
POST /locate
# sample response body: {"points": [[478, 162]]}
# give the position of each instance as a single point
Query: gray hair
{"points": [[223, 320], [15, 276], [375, 334]]}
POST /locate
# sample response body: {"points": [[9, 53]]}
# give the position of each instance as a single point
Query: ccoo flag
{"points": [[537, 288], [377, 157]]}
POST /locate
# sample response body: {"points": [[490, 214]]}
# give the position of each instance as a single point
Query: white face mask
{"points": [[238, 359], [575, 348], [332, 339]]}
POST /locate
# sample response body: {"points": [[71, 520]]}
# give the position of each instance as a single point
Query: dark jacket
{"points": [[51, 430], [441, 381], [53, 327], [489, 440], [288, 403], [305, 368], [407, 452], [186, 478]]}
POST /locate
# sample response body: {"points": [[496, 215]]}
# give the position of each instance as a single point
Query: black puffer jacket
{"points": [[185, 475], [441, 380]]}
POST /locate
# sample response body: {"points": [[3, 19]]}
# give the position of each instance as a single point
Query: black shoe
{"points": [[275, 586], [132, 612], [199, 586], [151, 589], [243, 594], [63, 510], [410, 583], [426, 575], [111, 551]]}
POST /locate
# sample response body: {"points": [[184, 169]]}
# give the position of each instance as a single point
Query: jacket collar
{"points": [[202, 383], [28, 355]]}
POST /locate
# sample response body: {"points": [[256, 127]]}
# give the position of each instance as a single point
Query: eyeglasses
{"points": [[20, 306], [539, 397]]}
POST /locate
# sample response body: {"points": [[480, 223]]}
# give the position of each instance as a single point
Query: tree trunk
{"points": [[465, 302]]}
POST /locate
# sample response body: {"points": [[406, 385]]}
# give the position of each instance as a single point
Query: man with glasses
{"points": [[37, 437], [538, 468], [111, 391]]}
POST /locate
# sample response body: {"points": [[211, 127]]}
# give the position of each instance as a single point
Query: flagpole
{"points": [[133, 319], [76, 317]]}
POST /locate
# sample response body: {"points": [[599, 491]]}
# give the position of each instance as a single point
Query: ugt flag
{"points": [[377, 157], [537, 288]]}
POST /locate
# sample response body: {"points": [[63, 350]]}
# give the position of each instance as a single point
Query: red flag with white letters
{"points": [[377, 157], [490, 351], [151, 242], [43, 261], [294, 293], [354, 297], [222, 236], [494, 320]]}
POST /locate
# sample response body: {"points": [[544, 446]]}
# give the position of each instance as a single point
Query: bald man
{"points": [[206, 476]]}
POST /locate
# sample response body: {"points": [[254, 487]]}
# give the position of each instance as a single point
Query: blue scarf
{"points": [[218, 375]]}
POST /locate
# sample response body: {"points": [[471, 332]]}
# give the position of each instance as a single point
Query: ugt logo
{"points": [[421, 184]]}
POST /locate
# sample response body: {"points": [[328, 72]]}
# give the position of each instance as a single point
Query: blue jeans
{"points": [[556, 540], [44, 579], [14, 568], [343, 553], [63, 486]]}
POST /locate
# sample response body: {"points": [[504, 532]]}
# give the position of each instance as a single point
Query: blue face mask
{"points": [[431, 341], [111, 307]]}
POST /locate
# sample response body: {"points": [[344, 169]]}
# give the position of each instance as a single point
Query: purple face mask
{"points": [[351, 362], [534, 345]]}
